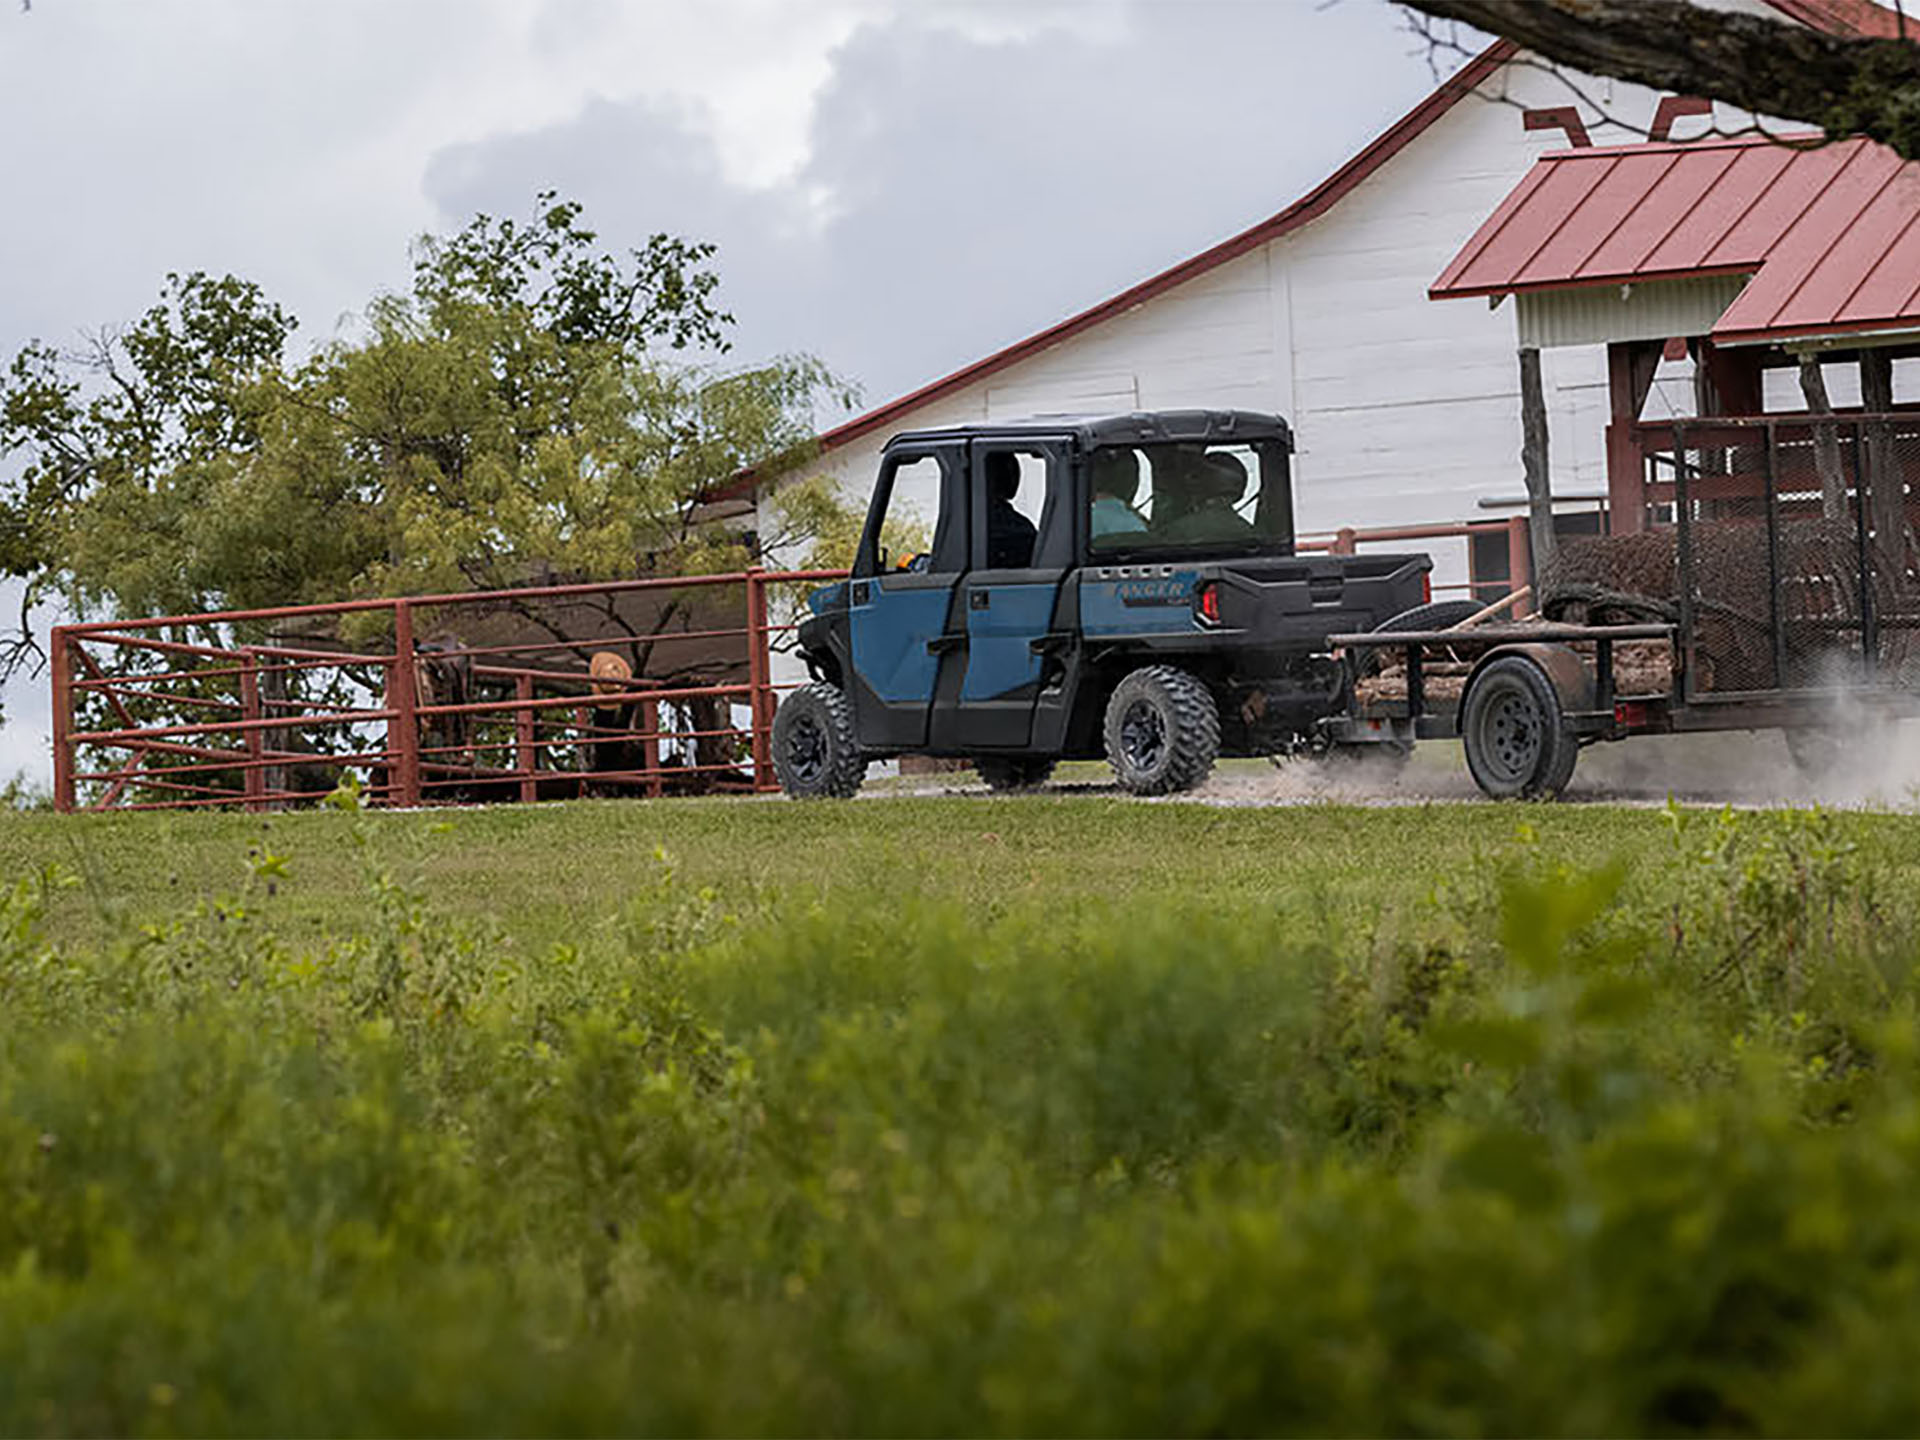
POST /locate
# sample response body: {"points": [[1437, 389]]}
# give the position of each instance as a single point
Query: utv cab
{"points": [[1122, 586]]}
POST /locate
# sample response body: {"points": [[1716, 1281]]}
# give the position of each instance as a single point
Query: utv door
{"points": [[898, 618], [1011, 590]]}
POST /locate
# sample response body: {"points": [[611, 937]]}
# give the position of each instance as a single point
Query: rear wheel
{"points": [[1515, 737], [1162, 731], [1013, 772], [814, 750]]}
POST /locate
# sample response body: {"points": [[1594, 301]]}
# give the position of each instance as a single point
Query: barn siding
{"points": [[1406, 409]]}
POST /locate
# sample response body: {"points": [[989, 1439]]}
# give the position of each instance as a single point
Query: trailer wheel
{"points": [[814, 750], [1162, 731], [1516, 742], [1004, 773]]}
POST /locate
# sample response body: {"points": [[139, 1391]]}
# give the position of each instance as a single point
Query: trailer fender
{"points": [[1569, 675]]}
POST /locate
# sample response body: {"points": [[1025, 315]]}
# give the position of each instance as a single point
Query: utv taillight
{"points": [[1207, 602], [1426, 588]]}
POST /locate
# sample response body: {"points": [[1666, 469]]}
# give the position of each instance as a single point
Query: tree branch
{"points": [[1844, 85]]}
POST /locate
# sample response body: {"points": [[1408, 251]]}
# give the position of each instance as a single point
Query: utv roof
{"points": [[1142, 427]]}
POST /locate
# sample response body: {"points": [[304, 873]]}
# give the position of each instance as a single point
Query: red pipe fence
{"points": [[429, 699]]}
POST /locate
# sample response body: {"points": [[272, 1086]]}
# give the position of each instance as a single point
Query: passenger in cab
{"points": [[1215, 484], [1115, 482], [1010, 535]]}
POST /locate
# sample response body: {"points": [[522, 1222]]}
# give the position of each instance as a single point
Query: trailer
{"points": [[1779, 589]]}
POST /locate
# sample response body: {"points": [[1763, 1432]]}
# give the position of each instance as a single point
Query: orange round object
{"points": [[610, 672]]}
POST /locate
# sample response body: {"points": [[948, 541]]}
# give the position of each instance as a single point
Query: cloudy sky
{"points": [[896, 186]]}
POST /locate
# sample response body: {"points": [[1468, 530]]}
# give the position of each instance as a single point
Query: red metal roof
{"points": [[1829, 232], [1849, 17]]}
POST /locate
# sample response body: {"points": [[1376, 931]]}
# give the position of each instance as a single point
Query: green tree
{"points": [[532, 406]]}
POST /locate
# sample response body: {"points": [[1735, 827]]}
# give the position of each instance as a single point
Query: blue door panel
{"points": [[890, 635], [1000, 656]]}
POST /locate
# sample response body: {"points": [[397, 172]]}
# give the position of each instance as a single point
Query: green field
{"points": [[959, 1114]]}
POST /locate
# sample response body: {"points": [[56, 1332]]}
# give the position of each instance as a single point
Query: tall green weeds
{"points": [[1555, 1150]]}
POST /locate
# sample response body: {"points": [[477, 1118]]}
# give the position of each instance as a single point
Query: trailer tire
{"points": [[1517, 743], [1162, 731], [1005, 774], [815, 753]]}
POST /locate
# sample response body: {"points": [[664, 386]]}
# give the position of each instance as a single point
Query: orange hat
{"points": [[610, 672]]}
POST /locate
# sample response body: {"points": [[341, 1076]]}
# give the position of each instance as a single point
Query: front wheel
{"points": [[1162, 731], [815, 753], [1517, 744]]}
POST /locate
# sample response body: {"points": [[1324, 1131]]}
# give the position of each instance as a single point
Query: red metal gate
{"points": [[433, 699]]}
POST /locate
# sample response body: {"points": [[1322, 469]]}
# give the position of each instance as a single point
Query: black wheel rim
{"points": [[806, 750], [1143, 736], [1510, 735]]}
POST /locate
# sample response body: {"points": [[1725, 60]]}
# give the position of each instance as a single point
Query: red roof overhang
{"points": [[1829, 232]]}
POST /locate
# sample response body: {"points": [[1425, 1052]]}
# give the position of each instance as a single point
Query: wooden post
{"points": [[1533, 462], [271, 681], [1826, 440], [760, 679], [62, 663], [253, 780], [526, 758], [1884, 483], [1631, 365], [650, 745], [403, 730]]}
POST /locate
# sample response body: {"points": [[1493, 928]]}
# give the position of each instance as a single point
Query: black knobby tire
{"points": [[1162, 731], [1434, 615], [1517, 744], [1014, 772], [815, 753]]}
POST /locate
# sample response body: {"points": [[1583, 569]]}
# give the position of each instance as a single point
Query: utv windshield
{"points": [[1177, 499]]}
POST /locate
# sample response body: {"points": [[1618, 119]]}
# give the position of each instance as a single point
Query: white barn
{"points": [[1405, 411]]}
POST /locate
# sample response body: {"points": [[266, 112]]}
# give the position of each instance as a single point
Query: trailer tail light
{"points": [[1630, 714], [1206, 602]]}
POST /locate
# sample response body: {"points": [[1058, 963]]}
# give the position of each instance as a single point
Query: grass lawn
{"points": [[544, 871]]}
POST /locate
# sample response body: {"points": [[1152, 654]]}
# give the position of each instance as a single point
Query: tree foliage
{"points": [[532, 405]]}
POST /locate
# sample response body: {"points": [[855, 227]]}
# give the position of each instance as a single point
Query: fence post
{"points": [[1519, 555], [760, 678], [253, 779], [525, 757], [62, 720], [403, 730], [1344, 540], [650, 745]]}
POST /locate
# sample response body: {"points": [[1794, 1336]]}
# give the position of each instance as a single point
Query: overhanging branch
{"points": [[1844, 85]]}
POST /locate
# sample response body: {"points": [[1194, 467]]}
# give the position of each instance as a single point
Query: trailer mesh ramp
{"points": [[1790, 561]]}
